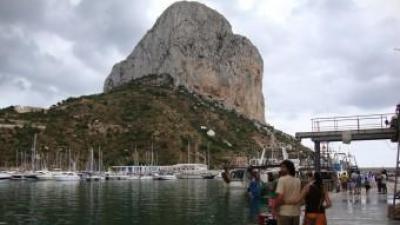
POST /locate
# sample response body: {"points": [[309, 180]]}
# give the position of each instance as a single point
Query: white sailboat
{"points": [[67, 176], [31, 174], [91, 175]]}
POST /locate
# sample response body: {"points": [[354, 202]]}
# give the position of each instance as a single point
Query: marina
{"points": [[148, 202], [199, 112]]}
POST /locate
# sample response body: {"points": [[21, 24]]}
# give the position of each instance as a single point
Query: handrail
{"points": [[343, 123]]}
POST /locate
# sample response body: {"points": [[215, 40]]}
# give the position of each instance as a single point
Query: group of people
{"points": [[356, 181], [289, 196], [381, 182]]}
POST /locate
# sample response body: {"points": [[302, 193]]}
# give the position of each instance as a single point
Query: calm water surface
{"points": [[122, 202]]}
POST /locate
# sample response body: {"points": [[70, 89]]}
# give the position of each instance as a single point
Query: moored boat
{"points": [[146, 177], [164, 176], [190, 171], [208, 176], [5, 176], [44, 175], [67, 176]]}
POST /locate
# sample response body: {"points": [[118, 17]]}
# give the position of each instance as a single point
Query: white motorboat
{"points": [[190, 171], [17, 176], [67, 176], [5, 176], [115, 176], [44, 175], [90, 176], [164, 176], [238, 177], [133, 177], [30, 175], [208, 176], [146, 177], [93, 177]]}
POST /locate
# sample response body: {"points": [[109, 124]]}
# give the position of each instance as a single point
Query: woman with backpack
{"points": [[316, 200]]}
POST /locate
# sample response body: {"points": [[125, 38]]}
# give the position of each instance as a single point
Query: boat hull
{"points": [[189, 176]]}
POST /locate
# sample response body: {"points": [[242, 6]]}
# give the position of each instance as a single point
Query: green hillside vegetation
{"points": [[144, 114]]}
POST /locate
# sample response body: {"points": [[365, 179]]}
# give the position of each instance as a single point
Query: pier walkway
{"points": [[349, 209]]}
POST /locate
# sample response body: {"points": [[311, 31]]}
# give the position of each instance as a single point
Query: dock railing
{"points": [[358, 122]]}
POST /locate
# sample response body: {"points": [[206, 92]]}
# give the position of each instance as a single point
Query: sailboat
{"points": [[190, 170], [67, 175], [44, 175], [91, 175]]}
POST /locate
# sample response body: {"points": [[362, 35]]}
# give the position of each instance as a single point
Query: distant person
{"points": [[354, 182], [384, 182], [254, 192], [367, 185], [343, 181], [371, 179], [271, 185], [316, 200], [309, 177], [358, 183], [378, 179], [288, 189], [336, 182], [271, 193]]}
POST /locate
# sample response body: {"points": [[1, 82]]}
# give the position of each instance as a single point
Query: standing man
{"points": [[288, 190], [378, 179], [384, 182], [254, 192]]}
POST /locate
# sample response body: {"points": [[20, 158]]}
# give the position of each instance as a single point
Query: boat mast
{"points": [[34, 152], [91, 160], [16, 158], [99, 160], [152, 152], [136, 156], [261, 157], [69, 159], [188, 152], [208, 155]]}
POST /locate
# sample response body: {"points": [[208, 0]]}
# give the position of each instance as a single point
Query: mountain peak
{"points": [[195, 45]]}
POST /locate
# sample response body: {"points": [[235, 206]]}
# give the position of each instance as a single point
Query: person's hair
{"points": [[318, 180], [290, 166], [270, 176]]}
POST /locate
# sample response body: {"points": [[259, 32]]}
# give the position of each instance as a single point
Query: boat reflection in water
{"points": [[189, 201]]}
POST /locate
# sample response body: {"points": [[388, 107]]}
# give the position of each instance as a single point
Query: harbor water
{"points": [[148, 202], [122, 202]]}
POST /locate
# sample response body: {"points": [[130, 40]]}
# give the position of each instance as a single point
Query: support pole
{"points": [[317, 156], [396, 176], [397, 172]]}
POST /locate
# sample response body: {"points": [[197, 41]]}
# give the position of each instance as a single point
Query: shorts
{"points": [[315, 219], [288, 220]]}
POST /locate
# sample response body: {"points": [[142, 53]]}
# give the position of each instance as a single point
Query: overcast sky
{"points": [[321, 58]]}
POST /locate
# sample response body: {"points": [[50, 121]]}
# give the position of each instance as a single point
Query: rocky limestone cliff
{"points": [[196, 46]]}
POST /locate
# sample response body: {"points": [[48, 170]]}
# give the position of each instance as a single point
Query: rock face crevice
{"points": [[196, 46]]}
